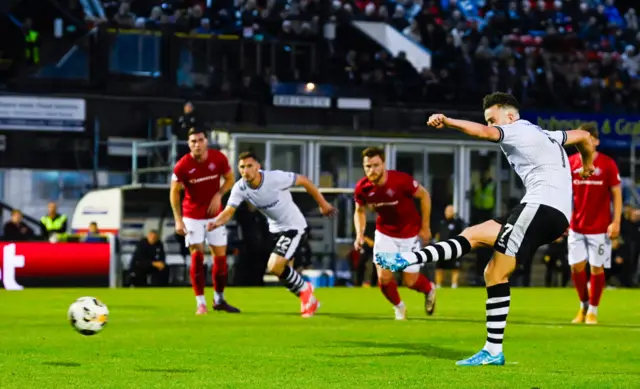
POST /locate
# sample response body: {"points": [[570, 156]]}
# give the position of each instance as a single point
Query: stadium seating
{"points": [[569, 55]]}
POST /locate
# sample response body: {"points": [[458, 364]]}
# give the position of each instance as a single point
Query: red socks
{"points": [[197, 273], [390, 291], [598, 282], [580, 283], [219, 273], [422, 285]]}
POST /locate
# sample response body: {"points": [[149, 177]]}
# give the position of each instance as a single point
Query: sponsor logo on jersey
{"points": [[265, 207], [587, 182], [201, 179], [387, 204]]}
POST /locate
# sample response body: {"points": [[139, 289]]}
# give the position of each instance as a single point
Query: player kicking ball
{"points": [[199, 173], [268, 192], [399, 226], [538, 157], [592, 227]]}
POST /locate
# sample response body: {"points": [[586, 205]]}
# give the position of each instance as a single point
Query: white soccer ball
{"points": [[88, 315]]}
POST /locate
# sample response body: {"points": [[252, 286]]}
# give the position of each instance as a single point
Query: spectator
{"points": [[125, 18], [149, 259], [188, 119], [16, 230], [93, 234], [53, 223], [32, 42], [449, 227]]}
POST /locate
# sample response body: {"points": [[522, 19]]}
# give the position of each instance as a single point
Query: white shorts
{"points": [[596, 248], [385, 243], [197, 232]]}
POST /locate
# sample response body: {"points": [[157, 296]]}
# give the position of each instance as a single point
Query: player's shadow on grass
{"points": [[404, 349], [524, 322], [351, 316], [61, 364], [158, 370]]}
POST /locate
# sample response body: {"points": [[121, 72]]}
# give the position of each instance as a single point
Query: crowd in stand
{"points": [[550, 54], [571, 54], [247, 17]]}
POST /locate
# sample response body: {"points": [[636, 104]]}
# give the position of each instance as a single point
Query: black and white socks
{"points": [[446, 250], [292, 280], [498, 301]]}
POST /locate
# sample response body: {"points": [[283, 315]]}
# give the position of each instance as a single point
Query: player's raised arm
{"points": [[325, 207], [473, 129], [425, 210]]}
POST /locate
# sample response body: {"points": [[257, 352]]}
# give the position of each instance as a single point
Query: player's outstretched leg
{"points": [[596, 286], [420, 283], [196, 273], [497, 306], [449, 249], [219, 274], [389, 289], [293, 281], [579, 277]]}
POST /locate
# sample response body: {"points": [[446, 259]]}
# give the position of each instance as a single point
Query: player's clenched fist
{"points": [[180, 228], [327, 209], [359, 242], [436, 120], [587, 170]]}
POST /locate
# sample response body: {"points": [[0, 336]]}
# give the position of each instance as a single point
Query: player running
{"points": [[199, 174], [592, 227], [399, 226], [268, 192], [537, 156]]}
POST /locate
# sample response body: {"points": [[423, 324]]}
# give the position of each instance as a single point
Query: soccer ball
{"points": [[88, 315]]}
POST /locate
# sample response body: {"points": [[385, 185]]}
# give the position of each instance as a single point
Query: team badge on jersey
{"points": [[212, 166], [390, 192]]}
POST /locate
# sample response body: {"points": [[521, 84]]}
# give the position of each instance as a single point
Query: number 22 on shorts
{"points": [[283, 243]]}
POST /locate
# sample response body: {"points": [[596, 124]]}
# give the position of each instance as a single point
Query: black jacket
{"points": [[17, 233], [146, 253]]}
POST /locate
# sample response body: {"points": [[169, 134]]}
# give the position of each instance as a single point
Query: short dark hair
{"points": [[248, 154], [195, 130], [371, 152], [591, 128], [500, 99]]}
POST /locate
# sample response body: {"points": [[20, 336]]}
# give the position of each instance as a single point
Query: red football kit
{"points": [[398, 216], [201, 181], [592, 196]]}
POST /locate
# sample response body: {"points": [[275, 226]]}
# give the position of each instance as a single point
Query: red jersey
{"points": [[592, 196], [201, 181], [398, 216]]}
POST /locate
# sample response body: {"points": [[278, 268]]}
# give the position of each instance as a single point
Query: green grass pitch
{"points": [[154, 340]]}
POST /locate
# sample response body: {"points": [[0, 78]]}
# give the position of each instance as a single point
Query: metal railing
{"points": [[155, 156]]}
